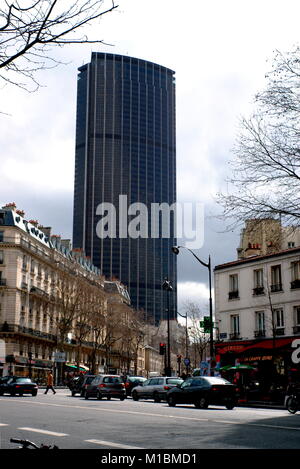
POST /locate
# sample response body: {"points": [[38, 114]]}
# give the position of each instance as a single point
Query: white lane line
{"points": [[112, 445], [46, 432], [4, 424]]}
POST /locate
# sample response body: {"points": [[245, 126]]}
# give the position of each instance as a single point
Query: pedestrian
{"points": [[50, 383]]}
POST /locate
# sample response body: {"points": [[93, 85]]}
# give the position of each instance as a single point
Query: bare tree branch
{"points": [[29, 27]]}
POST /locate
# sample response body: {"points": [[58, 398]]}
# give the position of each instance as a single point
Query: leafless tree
{"points": [[199, 341], [266, 163], [29, 29]]}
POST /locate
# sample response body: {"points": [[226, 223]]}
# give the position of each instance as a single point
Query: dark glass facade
{"points": [[126, 145]]}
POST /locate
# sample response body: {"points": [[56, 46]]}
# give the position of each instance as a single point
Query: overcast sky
{"points": [[220, 51]]}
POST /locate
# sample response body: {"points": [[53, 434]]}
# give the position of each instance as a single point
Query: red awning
{"points": [[249, 345]]}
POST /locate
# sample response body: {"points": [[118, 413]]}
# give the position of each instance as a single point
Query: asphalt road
{"points": [[76, 423]]}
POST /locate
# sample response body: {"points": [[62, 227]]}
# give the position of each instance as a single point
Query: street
{"points": [[76, 423]]}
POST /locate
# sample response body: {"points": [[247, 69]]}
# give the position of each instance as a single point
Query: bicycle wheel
{"points": [[292, 405]]}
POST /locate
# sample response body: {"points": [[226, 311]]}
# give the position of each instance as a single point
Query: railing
{"points": [[279, 331], [258, 291], [234, 336], [295, 284], [260, 333], [233, 295], [276, 287], [2, 282], [296, 329]]}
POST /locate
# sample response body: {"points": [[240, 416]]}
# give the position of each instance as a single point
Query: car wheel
{"points": [[135, 397], [291, 405], [156, 397], [99, 397], [20, 394], [122, 398], [86, 396], [201, 403], [171, 401], [12, 393], [108, 398], [73, 393], [34, 393], [230, 405]]}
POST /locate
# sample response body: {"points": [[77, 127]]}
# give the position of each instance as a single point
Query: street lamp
{"points": [[186, 340], [168, 288], [175, 250]]}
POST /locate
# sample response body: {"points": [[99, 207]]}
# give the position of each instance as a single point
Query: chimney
{"points": [[11, 206], [46, 230], [66, 243], [21, 213], [34, 223]]}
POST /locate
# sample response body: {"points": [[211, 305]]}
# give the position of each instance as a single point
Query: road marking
{"points": [[4, 424], [156, 415], [46, 432], [113, 445]]}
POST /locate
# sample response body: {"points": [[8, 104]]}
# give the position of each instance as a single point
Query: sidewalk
{"points": [[261, 405]]}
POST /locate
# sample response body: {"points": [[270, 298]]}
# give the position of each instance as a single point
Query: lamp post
{"points": [[168, 288], [186, 339], [175, 250]]}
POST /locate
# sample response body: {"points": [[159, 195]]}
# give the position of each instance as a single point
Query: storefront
{"points": [[268, 366], [23, 366]]}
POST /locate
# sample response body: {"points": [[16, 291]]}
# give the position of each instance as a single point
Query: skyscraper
{"points": [[125, 155]]}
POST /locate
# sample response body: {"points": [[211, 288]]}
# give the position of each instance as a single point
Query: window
{"points": [[295, 274], [276, 283], [278, 319], [1, 257], [291, 244], [296, 328], [233, 286], [258, 282], [235, 326], [259, 324]]}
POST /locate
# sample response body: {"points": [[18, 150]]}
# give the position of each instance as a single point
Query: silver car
{"points": [[155, 388]]}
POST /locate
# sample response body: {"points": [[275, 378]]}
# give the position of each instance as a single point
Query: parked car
{"points": [[155, 388], [79, 384], [106, 386], [133, 381], [203, 391], [17, 385]]}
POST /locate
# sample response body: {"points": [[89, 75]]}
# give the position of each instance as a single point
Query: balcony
{"points": [[234, 336], [296, 329], [277, 287], [295, 284], [279, 331], [37, 291], [258, 291], [233, 295], [2, 282], [260, 333]]}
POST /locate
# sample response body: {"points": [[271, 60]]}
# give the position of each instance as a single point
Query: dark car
{"points": [[133, 381], [17, 385], [106, 386], [203, 391], [79, 384], [155, 388]]}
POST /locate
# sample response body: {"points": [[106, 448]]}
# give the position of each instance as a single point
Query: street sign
{"points": [[187, 361], [59, 357]]}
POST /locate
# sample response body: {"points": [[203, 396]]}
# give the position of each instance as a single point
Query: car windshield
{"points": [[23, 380], [174, 381], [137, 379], [112, 379], [216, 380]]}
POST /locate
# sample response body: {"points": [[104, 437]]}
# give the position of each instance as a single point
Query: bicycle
{"points": [[26, 444]]}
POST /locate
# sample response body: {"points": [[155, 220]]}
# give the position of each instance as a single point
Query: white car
{"points": [[155, 388]]}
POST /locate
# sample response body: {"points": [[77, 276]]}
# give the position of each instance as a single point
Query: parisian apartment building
{"points": [[257, 299], [57, 308]]}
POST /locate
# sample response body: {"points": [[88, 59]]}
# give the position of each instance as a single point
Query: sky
{"points": [[220, 51]]}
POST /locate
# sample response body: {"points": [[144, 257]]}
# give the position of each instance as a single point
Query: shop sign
{"points": [[60, 357], [296, 353]]}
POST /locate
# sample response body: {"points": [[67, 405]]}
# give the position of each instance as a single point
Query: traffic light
{"points": [[162, 348], [179, 358]]}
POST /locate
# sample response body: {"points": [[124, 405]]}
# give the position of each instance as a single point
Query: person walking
{"points": [[50, 383]]}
